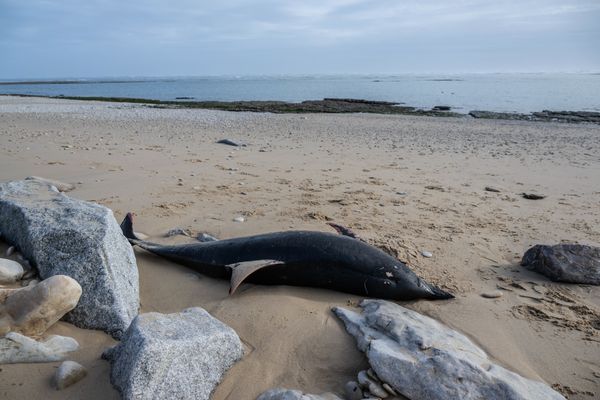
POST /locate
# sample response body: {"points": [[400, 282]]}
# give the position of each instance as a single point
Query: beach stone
{"points": [[533, 196], [422, 359], [173, 356], [426, 254], [33, 309], [371, 385], [177, 232], [10, 271], [353, 391], [573, 263], [230, 142], [492, 295], [61, 186], [16, 348], [68, 373], [492, 189], [287, 394], [205, 237], [239, 219], [65, 236]]}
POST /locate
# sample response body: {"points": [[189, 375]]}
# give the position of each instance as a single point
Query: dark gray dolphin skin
{"points": [[298, 258]]}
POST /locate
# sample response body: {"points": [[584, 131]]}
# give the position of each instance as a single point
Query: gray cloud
{"points": [[109, 37]]}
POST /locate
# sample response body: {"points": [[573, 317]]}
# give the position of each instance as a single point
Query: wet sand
{"points": [[408, 184]]}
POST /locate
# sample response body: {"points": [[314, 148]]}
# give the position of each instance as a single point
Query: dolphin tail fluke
{"points": [[127, 228], [437, 294]]}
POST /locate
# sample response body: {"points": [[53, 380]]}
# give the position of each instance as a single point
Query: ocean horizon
{"points": [[500, 92]]}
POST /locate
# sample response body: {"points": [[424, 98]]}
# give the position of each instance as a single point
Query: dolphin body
{"points": [[299, 258]]}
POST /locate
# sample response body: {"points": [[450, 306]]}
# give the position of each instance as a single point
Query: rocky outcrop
{"points": [[573, 263], [286, 394], [173, 356], [33, 309], [425, 360], [65, 236], [546, 115], [16, 348]]}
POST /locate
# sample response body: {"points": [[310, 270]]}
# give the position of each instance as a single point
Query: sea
{"points": [[501, 92]]}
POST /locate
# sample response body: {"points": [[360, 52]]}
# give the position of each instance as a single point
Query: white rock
{"points": [[16, 348], [10, 271], [239, 219], [422, 359], [426, 254], [33, 309], [68, 373]]}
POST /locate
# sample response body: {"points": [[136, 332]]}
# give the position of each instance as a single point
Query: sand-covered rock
{"points": [[287, 394], [33, 309], [68, 373], [10, 271], [425, 360], [573, 263], [173, 356], [16, 348], [66, 236]]}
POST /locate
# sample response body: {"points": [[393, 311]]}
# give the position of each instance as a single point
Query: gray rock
{"points": [[16, 348], [423, 359], [287, 394], [574, 263], [205, 237], [173, 356], [353, 391], [68, 373], [230, 142], [426, 254], [65, 236], [177, 232], [10, 271]]}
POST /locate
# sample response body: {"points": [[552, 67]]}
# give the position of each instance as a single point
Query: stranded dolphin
{"points": [[298, 258]]}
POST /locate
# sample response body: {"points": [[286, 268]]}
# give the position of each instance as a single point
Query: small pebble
{"points": [[492, 295], [239, 219], [353, 391], [10, 271], [389, 389], [10, 251], [177, 231], [205, 237], [426, 254], [68, 373]]}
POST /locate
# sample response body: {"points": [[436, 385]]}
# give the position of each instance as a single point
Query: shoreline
{"points": [[339, 106]]}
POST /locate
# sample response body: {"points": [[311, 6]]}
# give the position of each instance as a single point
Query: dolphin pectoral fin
{"points": [[242, 270]]}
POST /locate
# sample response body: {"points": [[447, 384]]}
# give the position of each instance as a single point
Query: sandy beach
{"points": [[407, 184]]}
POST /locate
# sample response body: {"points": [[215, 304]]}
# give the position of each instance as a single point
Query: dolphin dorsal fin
{"points": [[242, 270]]}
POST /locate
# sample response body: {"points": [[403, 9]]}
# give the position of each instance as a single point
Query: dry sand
{"points": [[405, 183]]}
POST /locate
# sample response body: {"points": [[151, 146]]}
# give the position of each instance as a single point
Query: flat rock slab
{"points": [[173, 356], [65, 236], [287, 394], [16, 348], [573, 263], [425, 360]]}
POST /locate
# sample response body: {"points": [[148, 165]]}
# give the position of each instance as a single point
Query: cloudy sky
{"points": [[98, 38]]}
